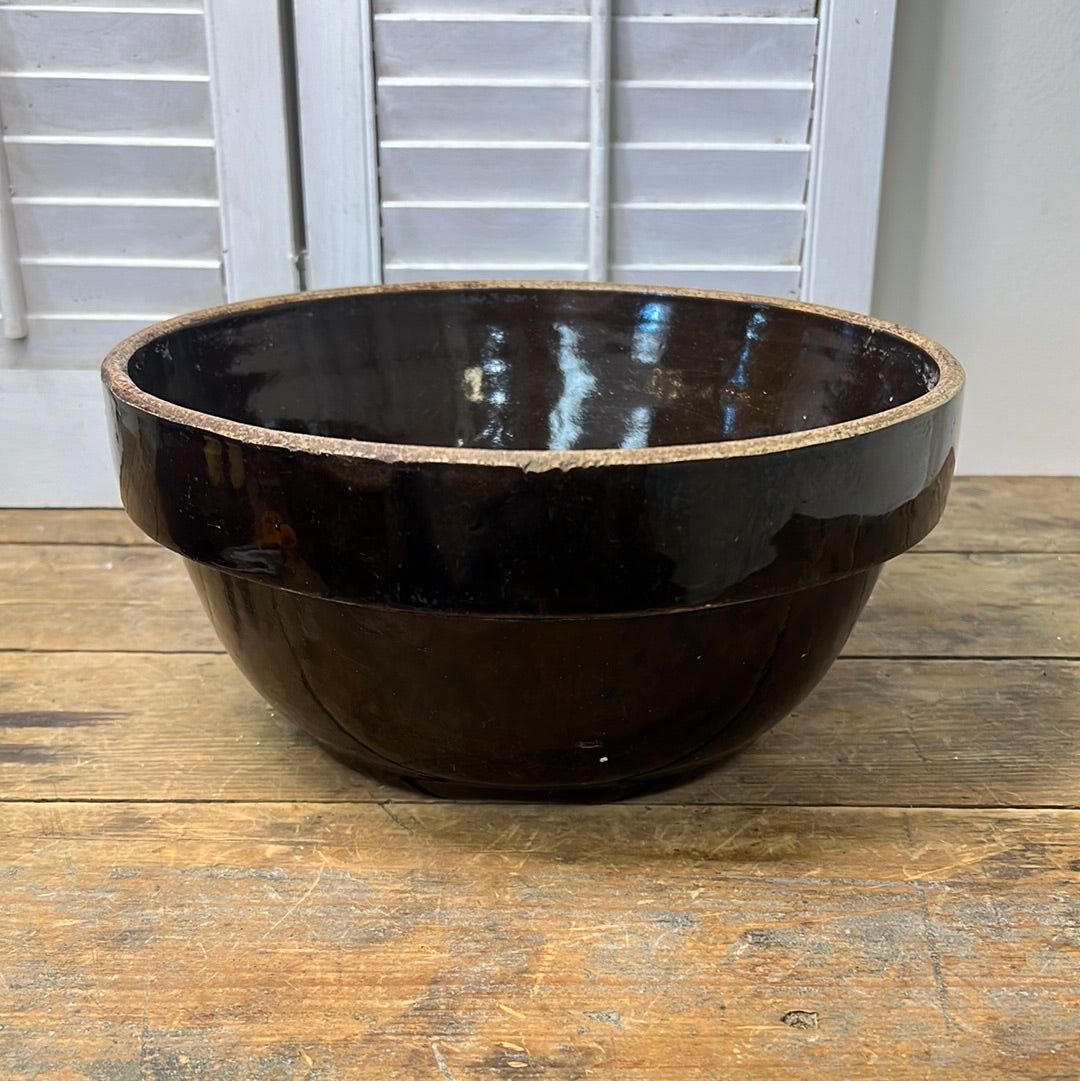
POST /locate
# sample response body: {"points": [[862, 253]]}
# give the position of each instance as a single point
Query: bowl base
{"points": [[442, 788]]}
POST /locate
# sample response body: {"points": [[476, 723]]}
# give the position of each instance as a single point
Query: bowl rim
{"points": [[118, 382]]}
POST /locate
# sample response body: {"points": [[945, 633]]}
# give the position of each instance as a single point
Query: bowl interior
{"points": [[533, 369]]}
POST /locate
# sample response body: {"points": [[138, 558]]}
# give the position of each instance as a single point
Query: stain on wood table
{"points": [[888, 881]]}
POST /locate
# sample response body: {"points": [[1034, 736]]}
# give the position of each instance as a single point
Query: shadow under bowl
{"points": [[526, 539]]}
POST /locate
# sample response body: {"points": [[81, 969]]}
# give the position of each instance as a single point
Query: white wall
{"points": [[979, 242]]}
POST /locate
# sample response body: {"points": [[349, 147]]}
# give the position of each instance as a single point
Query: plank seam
{"points": [[970, 658], [352, 800]]}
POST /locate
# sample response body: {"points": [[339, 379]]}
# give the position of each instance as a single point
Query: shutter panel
{"points": [[483, 126], [491, 163], [88, 98], [490, 159], [122, 139], [110, 137]]}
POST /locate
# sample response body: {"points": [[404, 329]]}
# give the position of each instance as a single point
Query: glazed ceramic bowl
{"points": [[533, 539]]}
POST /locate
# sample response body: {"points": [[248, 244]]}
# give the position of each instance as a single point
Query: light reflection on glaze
{"points": [[740, 377], [637, 428], [646, 348], [492, 381], [565, 420], [650, 333]]}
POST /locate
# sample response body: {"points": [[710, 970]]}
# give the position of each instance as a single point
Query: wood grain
{"points": [[112, 597], [300, 941], [1010, 514], [188, 727], [58, 597], [973, 605], [62, 526], [153, 726]]}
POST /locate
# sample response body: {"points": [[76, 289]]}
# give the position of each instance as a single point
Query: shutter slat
{"points": [[89, 230], [481, 112], [92, 289], [448, 271], [484, 234], [650, 114], [707, 236], [734, 50], [722, 8], [725, 8], [467, 48], [88, 40], [765, 281], [77, 106], [72, 342], [481, 7], [167, 7], [79, 169], [481, 173], [700, 174]]}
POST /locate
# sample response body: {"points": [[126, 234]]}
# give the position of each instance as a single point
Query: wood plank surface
{"points": [[885, 884], [927, 603], [1010, 514], [281, 941], [188, 727], [91, 597], [973, 605], [60, 526]]}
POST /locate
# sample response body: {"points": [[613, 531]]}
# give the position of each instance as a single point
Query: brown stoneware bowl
{"points": [[535, 540]]}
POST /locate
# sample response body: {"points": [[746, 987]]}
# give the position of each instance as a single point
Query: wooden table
{"points": [[887, 882]]}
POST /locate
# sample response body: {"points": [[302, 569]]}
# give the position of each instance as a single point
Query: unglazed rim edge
{"points": [[114, 373]]}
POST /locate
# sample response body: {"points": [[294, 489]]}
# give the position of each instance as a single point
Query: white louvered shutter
{"points": [[682, 142], [147, 176]]}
